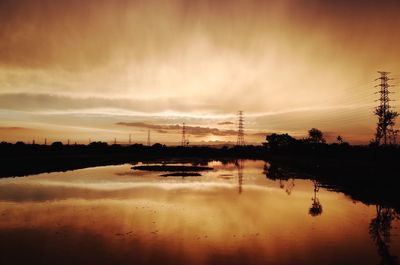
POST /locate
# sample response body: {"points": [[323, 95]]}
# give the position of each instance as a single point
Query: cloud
{"points": [[45, 102], [11, 128], [225, 123], [192, 130], [196, 131], [158, 128], [261, 134]]}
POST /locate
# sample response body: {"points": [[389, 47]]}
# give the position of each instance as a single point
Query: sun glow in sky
{"points": [[104, 69]]}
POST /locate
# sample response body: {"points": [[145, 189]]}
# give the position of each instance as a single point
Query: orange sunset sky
{"points": [[106, 69]]}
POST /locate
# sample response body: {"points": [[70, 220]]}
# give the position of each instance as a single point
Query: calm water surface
{"points": [[233, 214]]}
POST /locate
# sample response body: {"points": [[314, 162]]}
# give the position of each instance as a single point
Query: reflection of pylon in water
{"points": [[240, 165], [379, 230]]}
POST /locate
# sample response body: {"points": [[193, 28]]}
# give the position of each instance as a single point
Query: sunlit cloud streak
{"points": [[192, 130]]}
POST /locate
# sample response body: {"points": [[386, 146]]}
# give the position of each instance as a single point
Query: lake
{"points": [[234, 214]]}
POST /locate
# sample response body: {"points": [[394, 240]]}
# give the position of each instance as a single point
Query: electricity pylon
{"points": [[385, 132], [184, 141], [240, 138]]}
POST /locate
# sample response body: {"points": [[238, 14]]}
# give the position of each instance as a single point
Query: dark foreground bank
{"points": [[331, 161]]}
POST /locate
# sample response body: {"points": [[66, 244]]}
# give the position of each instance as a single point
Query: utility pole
{"points": [[115, 140], [130, 139], [45, 141], [385, 132], [240, 138], [148, 138]]}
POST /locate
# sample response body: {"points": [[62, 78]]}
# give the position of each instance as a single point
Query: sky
{"points": [[102, 70]]}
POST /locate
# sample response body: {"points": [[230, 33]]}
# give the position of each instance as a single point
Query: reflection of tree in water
{"points": [[289, 186], [240, 165], [275, 173], [316, 207], [379, 230], [272, 172]]}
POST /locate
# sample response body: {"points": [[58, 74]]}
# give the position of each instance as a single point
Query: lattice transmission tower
{"points": [[148, 138], [184, 141], [385, 132], [240, 138]]}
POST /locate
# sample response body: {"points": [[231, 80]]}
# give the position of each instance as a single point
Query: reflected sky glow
{"points": [[119, 217]]}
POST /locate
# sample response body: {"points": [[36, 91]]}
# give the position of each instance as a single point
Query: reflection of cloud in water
{"points": [[47, 190], [225, 176], [123, 219]]}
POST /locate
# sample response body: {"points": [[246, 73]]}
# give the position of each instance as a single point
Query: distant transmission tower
{"points": [[184, 142], [240, 138], [130, 139], [385, 132], [148, 138]]}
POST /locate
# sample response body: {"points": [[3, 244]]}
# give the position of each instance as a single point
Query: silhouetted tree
{"points": [[98, 144], [315, 136], [19, 144], [386, 120], [275, 141], [157, 146], [57, 144], [341, 141]]}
